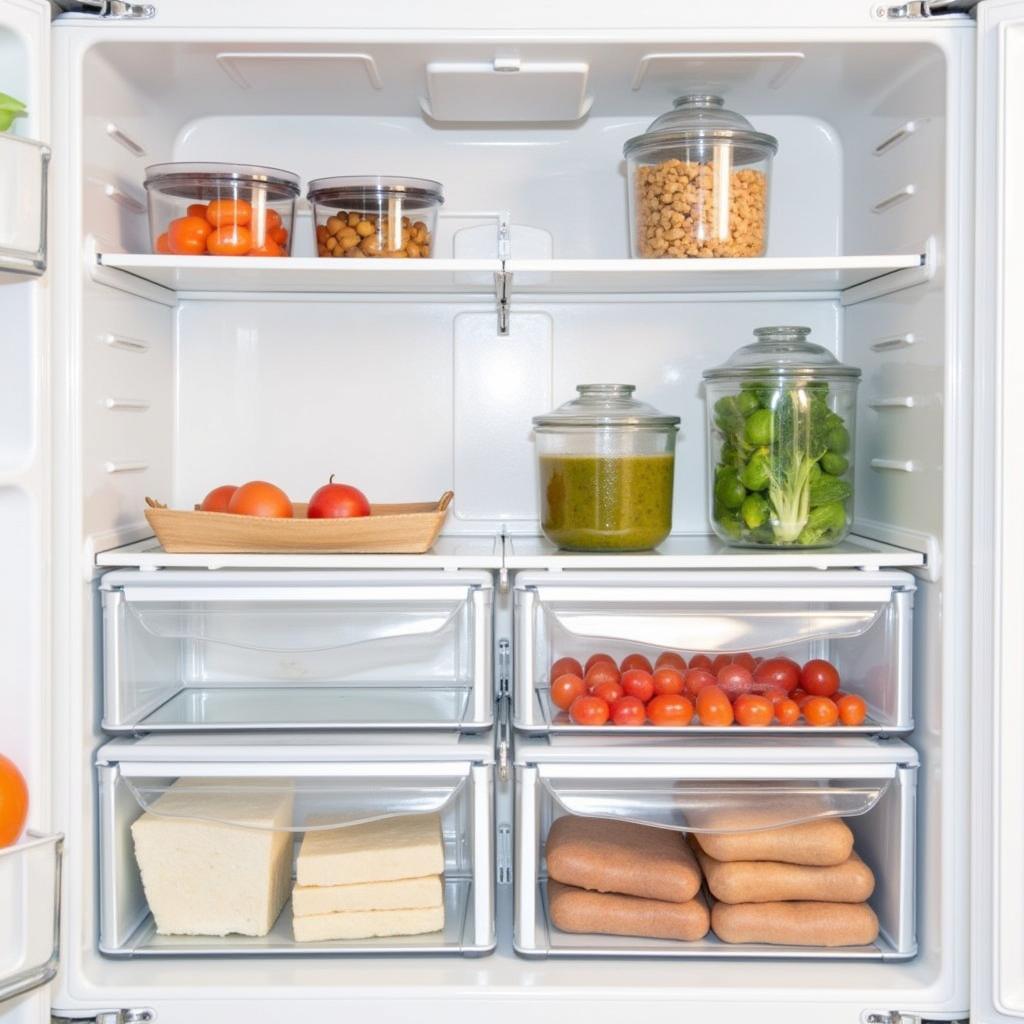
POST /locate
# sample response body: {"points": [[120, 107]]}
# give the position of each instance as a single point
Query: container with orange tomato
{"points": [[208, 209]]}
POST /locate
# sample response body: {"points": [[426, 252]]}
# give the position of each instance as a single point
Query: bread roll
{"points": [[823, 842], [795, 924], [579, 911], [623, 857], [749, 881]]}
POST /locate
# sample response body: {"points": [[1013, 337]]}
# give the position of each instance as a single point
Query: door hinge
{"points": [[136, 1016], [504, 859], [926, 9], [105, 8], [502, 294], [504, 667], [891, 1017]]}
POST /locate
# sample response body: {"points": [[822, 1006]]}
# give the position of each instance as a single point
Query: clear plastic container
{"points": [[205, 209], [375, 216], [781, 418], [606, 464], [698, 183]]}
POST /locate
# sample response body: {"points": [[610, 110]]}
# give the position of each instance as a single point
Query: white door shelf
{"points": [[30, 921], [23, 170]]}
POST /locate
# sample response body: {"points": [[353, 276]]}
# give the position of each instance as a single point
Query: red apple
{"points": [[337, 501]]}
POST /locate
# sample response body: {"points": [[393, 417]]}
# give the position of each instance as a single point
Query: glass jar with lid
{"points": [[606, 463], [781, 416], [698, 183]]}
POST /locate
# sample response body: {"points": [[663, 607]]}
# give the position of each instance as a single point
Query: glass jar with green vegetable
{"points": [[780, 443]]}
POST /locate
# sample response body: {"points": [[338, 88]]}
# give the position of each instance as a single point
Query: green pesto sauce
{"points": [[595, 503]]}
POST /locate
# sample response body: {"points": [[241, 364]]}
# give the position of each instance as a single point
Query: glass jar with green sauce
{"points": [[606, 463]]}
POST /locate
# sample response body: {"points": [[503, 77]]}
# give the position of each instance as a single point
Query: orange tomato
{"points": [[230, 240], [713, 707], [746, 660], [228, 211], [635, 661], [696, 679], [258, 498], [13, 802], [701, 661], [589, 710], [565, 689], [669, 659], [566, 665], [668, 680], [638, 683], [852, 709], [787, 712], [197, 210], [163, 245], [268, 248], [601, 672], [595, 658], [187, 236], [751, 709], [670, 709], [821, 711], [628, 711], [720, 662], [217, 500], [609, 692]]}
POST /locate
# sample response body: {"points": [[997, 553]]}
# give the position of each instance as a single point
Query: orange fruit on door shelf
{"points": [[258, 498], [13, 801]]}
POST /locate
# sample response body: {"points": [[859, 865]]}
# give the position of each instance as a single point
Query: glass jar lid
{"points": [[701, 118], [184, 179], [605, 405], [363, 186], [782, 352]]}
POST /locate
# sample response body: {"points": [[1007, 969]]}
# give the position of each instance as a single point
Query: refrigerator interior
{"points": [[410, 389]]}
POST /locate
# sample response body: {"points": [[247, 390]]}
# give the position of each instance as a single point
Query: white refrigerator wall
{"points": [[404, 394]]}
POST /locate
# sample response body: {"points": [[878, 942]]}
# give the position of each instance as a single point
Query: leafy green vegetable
{"points": [[10, 108], [828, 489]]}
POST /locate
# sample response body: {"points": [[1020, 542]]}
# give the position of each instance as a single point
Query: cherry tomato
{"points": [[669, 659], [798, 694], [197, 210], [187, 236], [778, 672], [228, 211], [700, 661], [787, 712], [595, 658], [217, 500], [635, 661], [589, 710], [564, 665], [668, 680], [628, 711], [268, 248], [602, 672], [773, 693], [819, 678], [608, 692], [230, 240], [735, 679], [670, 709], [638, 683], [713, 707], [820, 711], [696, 679], [852, 709], [751, 709], [720, 662], [163, 245], [746, 660], [565, 689]]}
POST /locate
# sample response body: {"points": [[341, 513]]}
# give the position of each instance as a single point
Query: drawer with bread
{"points": [[708, 849], [296, 845], [198, 649], [713, 652]]}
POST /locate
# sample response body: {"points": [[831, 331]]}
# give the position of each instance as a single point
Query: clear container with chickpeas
{"points": [[698, 183], [375, 216]]}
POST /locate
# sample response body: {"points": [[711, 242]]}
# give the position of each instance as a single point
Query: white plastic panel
{"points": [[23, 170]]}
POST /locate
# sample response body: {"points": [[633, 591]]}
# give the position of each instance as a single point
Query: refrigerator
{"points": [[125, 375]]}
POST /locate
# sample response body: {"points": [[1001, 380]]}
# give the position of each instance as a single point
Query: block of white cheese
{"points": [[401, 894], [204, 876], [368, 924], [408, 846]]}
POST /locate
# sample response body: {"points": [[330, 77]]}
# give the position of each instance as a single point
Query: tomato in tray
{"points": [[819, 678], [628, 711], [670, 709], [589, 710], [668, 680], [565, 689], [565, 666], [669, 659], [638, 683]]}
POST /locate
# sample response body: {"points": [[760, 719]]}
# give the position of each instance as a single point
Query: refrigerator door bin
{"points": [[860, 621], [871, 785], [340, 783], [23, 170], [30, 922], [195, 650]]}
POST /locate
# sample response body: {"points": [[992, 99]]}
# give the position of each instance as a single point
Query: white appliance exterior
{"points": [[119, 337]]}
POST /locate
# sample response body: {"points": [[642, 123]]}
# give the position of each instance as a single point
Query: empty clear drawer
{"points": [[707, 787], [237, 811], [859, 621], [193, 650]]}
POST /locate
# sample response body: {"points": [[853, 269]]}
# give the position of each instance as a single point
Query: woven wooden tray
{"points": [[388, 529]]}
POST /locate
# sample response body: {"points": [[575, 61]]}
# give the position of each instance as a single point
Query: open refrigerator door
{"points": [[997, 947], [30, 865]]}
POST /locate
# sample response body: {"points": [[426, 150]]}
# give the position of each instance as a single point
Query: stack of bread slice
{"points": [[796, 885], [377, 878], [622, 878]]}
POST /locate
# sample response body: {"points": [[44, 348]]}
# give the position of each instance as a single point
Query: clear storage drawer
{"points": [[201, 650], [241, 809], [709, 787], [30, 919], [860, 621]]}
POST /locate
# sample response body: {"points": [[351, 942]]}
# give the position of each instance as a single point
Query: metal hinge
{"points": [[891, 1017], [136, 1016], [504, 740], [502, 294], [504, 874], [504, 667], [926, 9], [105, 8]]}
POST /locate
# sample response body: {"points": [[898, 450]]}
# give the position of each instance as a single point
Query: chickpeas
{"points": [[677, 211], [358, 235]]}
